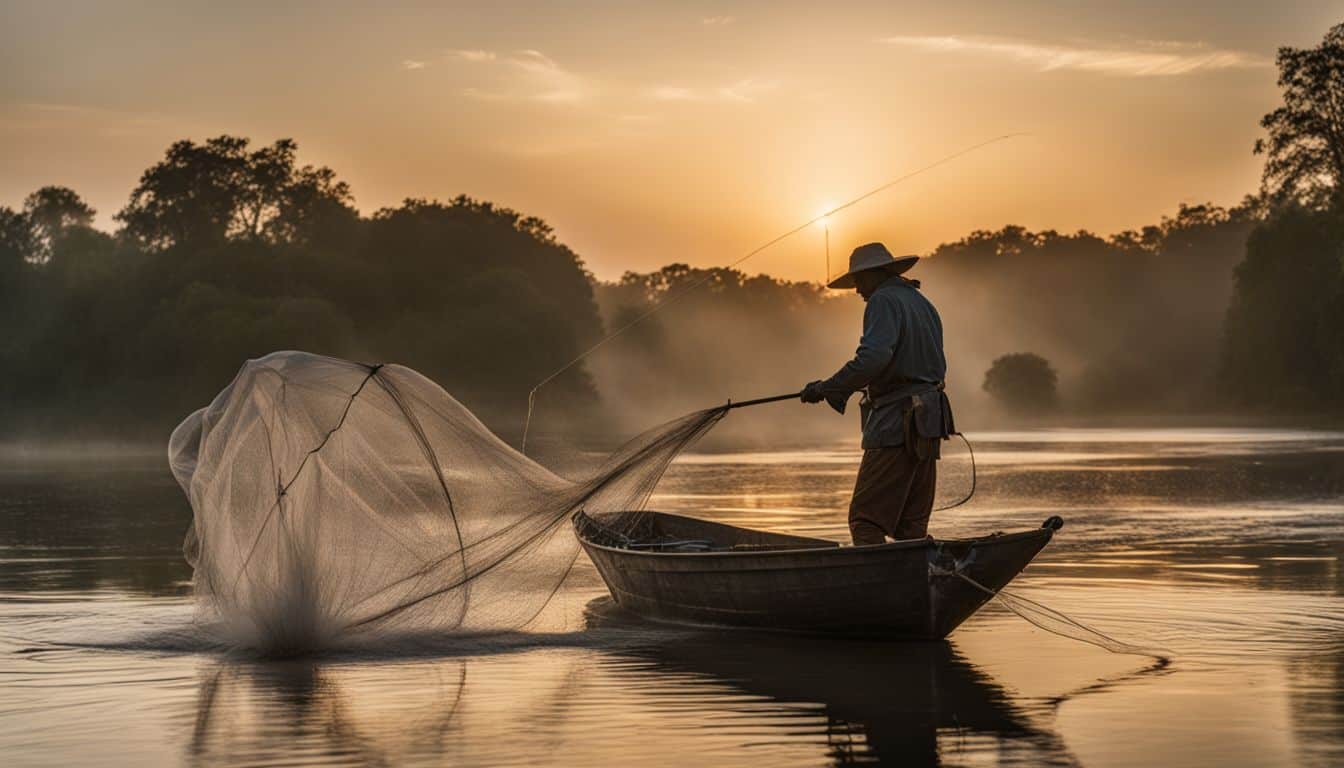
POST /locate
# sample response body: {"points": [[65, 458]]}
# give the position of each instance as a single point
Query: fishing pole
{"points": [[796, 395], [762, 400], [674, 296]]}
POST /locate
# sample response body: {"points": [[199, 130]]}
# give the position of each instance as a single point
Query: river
{"points": [[1222, 546]]}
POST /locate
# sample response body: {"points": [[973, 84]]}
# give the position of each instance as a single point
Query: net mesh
{"points": [[1056, 622], [333, 499]]}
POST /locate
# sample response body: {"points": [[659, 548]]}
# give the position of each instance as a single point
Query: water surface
{"points": [[1223, 546]]}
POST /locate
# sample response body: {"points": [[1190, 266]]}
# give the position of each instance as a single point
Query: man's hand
{"points": [[812, 393]]}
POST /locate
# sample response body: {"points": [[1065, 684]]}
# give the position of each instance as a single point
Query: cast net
{"points": [[333, 500]]}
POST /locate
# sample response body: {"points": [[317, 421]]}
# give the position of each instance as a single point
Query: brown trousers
{"points": [[893, 496]]}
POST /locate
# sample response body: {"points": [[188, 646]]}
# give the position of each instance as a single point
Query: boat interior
{"points": [[649, 531], [662, 532]]}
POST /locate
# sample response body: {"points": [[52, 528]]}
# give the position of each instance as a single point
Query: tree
{"points": [[313, 207], [53, 210], [478, 297], [18, 242], [1283, 339], [1305, 148], [188, 198], [203, 195], [1284, 333], [1022, 381]]}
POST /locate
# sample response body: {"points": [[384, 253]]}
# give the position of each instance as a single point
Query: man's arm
{"points": [[876, 347]]}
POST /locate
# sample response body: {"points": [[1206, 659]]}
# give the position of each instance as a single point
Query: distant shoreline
{"points": [[138, 452]]}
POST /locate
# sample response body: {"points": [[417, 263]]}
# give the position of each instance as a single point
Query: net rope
{"points": [[970, 492], [1053, 621]]}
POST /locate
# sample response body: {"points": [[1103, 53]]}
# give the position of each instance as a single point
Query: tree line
{"points": [[1239, 309], [1121, 325], [226, 252]]}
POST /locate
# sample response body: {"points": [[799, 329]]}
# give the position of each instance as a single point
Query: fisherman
{"points": [[899, 367]]}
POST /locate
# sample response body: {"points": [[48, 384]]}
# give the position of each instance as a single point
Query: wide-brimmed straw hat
{"points": [[872, 256]]}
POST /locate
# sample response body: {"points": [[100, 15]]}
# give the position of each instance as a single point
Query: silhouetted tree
{"points": [[229, 253], [18, 241], [204, 194], [686, 283], [52, 211], [314, 208], [1284, 342], [190, 197], [1305, 148], [18, 249], [1022, 381], [507, 303]]}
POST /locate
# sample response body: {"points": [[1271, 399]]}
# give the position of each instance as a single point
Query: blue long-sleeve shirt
{"points": [[900, 353]]}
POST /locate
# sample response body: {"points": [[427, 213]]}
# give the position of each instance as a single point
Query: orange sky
{"points": [[647, 133]]}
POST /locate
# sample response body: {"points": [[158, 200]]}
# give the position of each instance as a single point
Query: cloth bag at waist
{"points": [[926, 416]]}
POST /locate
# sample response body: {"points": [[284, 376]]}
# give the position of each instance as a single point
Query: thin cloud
{"points": [[527, 75], [534, 61], [717, 21], [411, 64], [673, 93], [744, 91], [547, 80], [483, 95], [477, 56], [1147, 60]]}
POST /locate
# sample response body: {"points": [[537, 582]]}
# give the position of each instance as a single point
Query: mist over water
{"points": [[1131, 323], [1222, 545]]}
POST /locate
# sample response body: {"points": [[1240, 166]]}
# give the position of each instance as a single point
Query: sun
{"points": [[822, 219]]}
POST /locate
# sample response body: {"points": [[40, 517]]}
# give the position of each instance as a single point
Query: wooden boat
{"points": [[676, 568]]}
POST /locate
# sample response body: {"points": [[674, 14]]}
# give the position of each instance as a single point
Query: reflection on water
{"points": [[1223, 546], [769, 697], [305, 707], [874, 702], [684, 694]]}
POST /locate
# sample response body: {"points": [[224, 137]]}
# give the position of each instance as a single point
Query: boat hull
{"points": [[903, 589]]}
